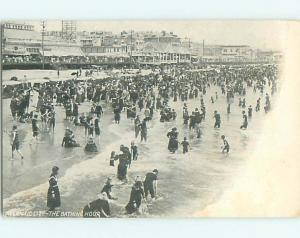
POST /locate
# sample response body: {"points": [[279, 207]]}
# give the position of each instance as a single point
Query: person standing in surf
{"points": [[97, 129], [150, 184], [137, 126], [173, 140], [53, 195], [250, 112], [257, 108], [144, 130], [134, 151], [15, 143], [245, 121], [268, 103], [124, 161], [136, 196], [107, 189], [185, 116], [117, 116], [185, 145], [217, 119], [226, 147], [52, 119], [35, 128], [228, 108]]}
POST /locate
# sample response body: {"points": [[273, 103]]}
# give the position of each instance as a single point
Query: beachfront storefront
{"points": [[108, 58], [157, 54]]}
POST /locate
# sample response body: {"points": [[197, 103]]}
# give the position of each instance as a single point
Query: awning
{"points": [[63, 51], [15, 52], [47, 53], [110, 55]]}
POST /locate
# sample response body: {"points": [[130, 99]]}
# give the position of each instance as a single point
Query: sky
{"points": [[262, 34]]}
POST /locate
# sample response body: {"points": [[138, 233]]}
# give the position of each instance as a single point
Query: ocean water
{"points": [[187, 182]]}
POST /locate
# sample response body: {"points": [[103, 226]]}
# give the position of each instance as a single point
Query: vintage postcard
{"points": [[149, 119]]}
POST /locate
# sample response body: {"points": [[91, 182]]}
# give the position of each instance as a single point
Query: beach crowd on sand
{"points": [[137, 98]]}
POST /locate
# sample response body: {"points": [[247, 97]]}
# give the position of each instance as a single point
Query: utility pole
{"points": [[130, 48], [43, 35], [203, 48], [190, 52], [2, 38]]}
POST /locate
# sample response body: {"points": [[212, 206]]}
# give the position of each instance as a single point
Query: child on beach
{"points": [[185, 145]]}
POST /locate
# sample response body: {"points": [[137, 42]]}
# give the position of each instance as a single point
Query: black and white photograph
{"points": [[147, 119]]}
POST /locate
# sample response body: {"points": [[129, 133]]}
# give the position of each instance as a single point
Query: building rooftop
{"points": [[164, 48], [17, 34]]}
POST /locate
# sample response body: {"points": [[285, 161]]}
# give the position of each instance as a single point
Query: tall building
{"points": [[68, 29]]}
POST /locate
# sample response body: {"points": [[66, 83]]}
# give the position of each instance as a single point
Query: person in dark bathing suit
{"points": [[150, 184], [15, 143], [185, 145], [226, 147], [217, 119], [53, 195], [136, 196], [245, 121]]}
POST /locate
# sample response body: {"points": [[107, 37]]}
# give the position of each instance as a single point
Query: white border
{"points": [[150, 9]]}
